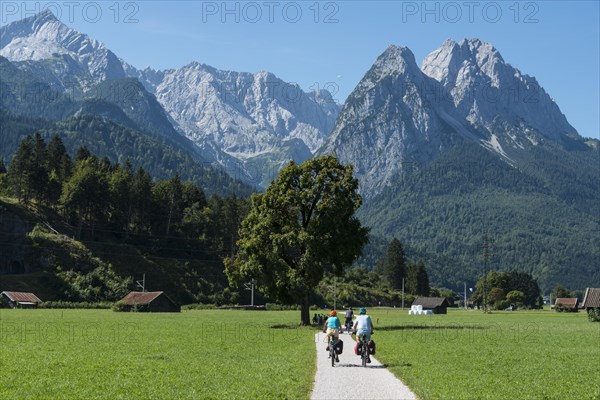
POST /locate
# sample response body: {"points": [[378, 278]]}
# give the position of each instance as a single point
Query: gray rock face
{"points": [[389, 120], [487, 91], [244, 115], [400, 115]]}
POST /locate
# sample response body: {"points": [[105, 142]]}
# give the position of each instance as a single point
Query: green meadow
{"points": [[262, 354], [86, 354], [503, 355]]}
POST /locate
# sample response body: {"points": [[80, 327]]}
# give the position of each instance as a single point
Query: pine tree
{"points": [[85, 193], [422, 279], [394, 264], [20, 170], [58, 159], [120, 194], [141, 199], [82, 154], [39, 177], [411, 279]]}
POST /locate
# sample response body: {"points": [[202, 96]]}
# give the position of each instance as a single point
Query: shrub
{"points": [[199, 307], [81, 305], [280, 307], [501, 305], [120, 306], [594, 314]]}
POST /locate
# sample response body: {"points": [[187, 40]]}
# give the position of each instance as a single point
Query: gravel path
{"points": [[349, 380]]}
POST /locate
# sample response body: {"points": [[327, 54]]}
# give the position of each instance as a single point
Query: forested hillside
{"points": [[542, 219], [84, 228]]}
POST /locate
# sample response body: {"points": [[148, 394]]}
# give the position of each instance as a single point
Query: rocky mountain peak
{"points": [[395, 60], [44, 37], [464, 59], [465, 91]]}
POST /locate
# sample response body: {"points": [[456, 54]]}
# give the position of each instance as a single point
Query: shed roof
{"points": [[431, 302], [567, 301], [22, 297], [140, 297], [591, 298]]}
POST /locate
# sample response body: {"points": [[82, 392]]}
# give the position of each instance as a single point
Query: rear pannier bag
{"points": [[339, 347], [371, 346]]}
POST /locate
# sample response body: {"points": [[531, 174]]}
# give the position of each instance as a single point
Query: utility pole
{"points": [[486, 260], [334, 294], [465, 295], [251, 288], [142, 283], [334, 288], [402, 293]]}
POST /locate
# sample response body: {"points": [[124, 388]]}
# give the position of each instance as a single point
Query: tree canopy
{"points": [[506, 288], [303, 225]]}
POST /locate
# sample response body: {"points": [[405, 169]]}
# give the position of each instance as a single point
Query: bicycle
{"points": [[332, 353], [364, 350], [349, 326]]}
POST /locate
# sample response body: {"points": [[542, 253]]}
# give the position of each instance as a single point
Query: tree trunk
{"points": [[305, 311]]}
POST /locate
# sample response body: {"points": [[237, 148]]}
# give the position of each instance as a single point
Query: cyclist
{"points": [[363, 326], [349, 315], [332, 327]]}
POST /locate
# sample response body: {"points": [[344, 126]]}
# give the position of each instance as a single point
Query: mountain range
{"points": [[463, 147]]}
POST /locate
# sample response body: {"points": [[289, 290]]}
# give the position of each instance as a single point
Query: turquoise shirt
{"points": [[333, 322]]}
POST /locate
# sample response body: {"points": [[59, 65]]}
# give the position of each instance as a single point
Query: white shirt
{"points": [[363, 323]]}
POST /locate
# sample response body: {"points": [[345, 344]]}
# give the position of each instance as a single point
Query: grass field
{"points": [[259, 355], [84, 354], [504, 355]]}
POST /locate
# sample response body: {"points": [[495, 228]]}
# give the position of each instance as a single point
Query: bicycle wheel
{"points": [[332, 352], [365, 354]]}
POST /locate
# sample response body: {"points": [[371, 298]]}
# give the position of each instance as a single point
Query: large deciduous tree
{"points": [[303, 224], [507, 282]]}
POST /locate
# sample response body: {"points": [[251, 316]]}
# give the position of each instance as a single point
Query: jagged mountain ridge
{"points": [[245, 122], [484, 88], [400, 114], [392, 118], [247, 116]]}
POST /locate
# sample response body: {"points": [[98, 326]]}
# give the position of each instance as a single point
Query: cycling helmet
{"points": [[362, 310], [333, 313]]}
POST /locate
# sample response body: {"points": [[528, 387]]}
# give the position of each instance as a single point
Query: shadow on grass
{"points": [[427, 327], [291, 326]]}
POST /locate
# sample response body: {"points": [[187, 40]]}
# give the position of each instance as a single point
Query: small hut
{"points": [[150, 301], [591, 299], [568, 304], [20, 299], [437, 305]]}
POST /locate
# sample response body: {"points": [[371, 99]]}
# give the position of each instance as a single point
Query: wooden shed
{"points": [[150, 301], [591, 299], [20, 299], [438, 305], [570, 304]]}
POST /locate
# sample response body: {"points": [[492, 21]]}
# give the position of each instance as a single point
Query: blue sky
{"points": [[331, 44]]}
